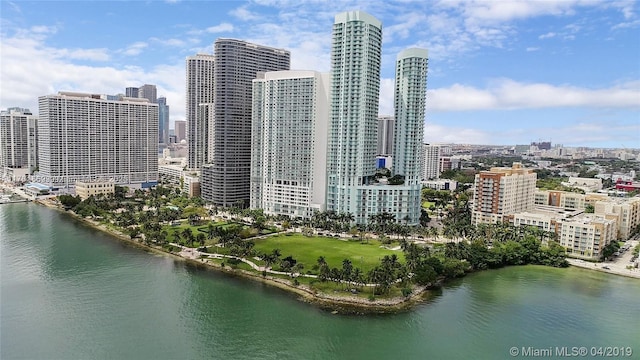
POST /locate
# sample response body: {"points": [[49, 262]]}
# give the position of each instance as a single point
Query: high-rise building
{"points": [[86, 137], [149, 92], [431, 162], [385, 136], [200, 90], [18, 140], [229, 154], [502, 191], [355, 63], [409, 103], [355, 87], [180, 130], [131, 92], [163, 120], [289, 143]]}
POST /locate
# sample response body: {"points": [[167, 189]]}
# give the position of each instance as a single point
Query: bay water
{"points": [[68, 291]]}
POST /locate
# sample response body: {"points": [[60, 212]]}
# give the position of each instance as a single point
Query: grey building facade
{"points": [[236, 65]]}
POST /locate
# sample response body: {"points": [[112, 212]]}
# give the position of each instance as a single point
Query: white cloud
{"points": [[529, 49], [434, 133], [135, 48], [224, 27], [53, 71], [626, 25], [547, 35], [508, 94], [244, 14]]}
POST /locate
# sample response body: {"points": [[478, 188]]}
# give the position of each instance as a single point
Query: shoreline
{"points": [[337, 304], [582, 264], [351, 305]]}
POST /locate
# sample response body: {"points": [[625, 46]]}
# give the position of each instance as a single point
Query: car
{"points": [[617, 253], [606, 268]]}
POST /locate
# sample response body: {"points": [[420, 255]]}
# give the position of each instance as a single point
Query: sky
{"points": [[500, 72]]}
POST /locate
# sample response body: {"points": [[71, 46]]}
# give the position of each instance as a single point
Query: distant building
{"points": [[180, 130], [289, 143], [200, 90], [163, 120], [440, 184], [431, 162], [119, 143], [543, 145], [18, 142], [149, 92], [385, 135], [131, 92], [567, 199], [627, 185], [502, 191]]}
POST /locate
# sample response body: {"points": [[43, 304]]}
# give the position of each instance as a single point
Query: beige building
{"points": [[625, 211], [86, 189], [502, 191], [585, 236], [567, 199]]}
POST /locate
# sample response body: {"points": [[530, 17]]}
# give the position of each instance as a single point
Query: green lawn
{"points": [[427, 204], [307, 250]]}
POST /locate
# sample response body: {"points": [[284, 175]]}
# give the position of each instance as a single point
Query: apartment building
{"points": [[585, 236], [200, 90], [91, 138], [625, 211], [431, 162], [289, 143], [502, 191], [18, 142], [236, 65]]}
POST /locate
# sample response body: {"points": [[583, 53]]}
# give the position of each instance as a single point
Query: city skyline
{"points": [[500, 72]]}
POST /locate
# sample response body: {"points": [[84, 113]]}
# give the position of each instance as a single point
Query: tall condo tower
{"points": [[163, 116], [18, 141], [355, 87], [289, 137], [236, 65], [200, 90], [89, 137], [409, 103]]}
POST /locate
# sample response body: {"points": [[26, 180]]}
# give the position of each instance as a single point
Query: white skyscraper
{"points": [[289, 142], [88, 137], [352, 187], [200, 90], [431, 162], [355, 88], [18, 141], [409, 103]]}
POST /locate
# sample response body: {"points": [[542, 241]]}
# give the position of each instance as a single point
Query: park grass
{"points": [[427, 204], [306, 250]]}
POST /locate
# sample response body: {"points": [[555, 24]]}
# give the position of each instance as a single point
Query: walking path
{"points": [[618, 266]]}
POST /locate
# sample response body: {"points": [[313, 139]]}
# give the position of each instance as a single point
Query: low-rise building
{"points": [[585, 236], [441, 184], [87, 189], [626, 212]]}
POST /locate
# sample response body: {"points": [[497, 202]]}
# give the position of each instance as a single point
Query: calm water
{"points": [[70, 292]]}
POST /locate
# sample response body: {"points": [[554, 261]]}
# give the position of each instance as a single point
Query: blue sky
{"points": [[500, 72]]}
